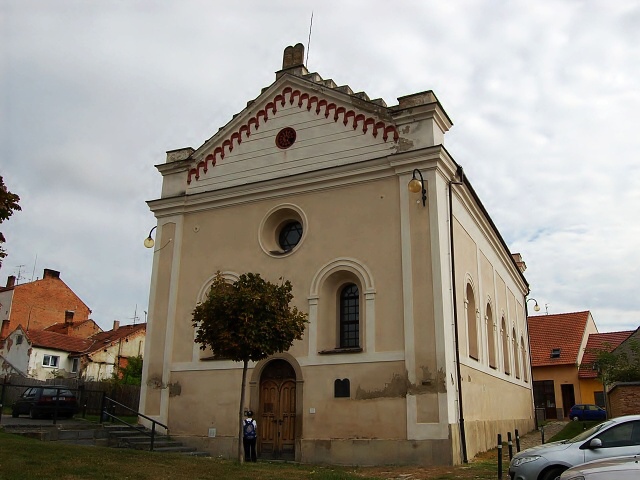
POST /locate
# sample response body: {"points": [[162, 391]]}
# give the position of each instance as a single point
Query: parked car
{"points": [[618, 468], [612, 438], [43, 400], [587, 412]]}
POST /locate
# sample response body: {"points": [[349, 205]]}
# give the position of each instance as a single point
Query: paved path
{"points": [[534, 438]]}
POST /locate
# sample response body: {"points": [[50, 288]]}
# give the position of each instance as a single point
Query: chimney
{"points": [[517, 258], [68, 317], [11, 281], [4, 331], [116, 324], [48, 273], [293, 61]]}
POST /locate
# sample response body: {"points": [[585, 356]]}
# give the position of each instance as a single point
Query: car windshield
{"points": [[50, 392], [587, 433]]}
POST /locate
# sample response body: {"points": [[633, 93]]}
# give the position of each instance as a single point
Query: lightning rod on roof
{"points": [[306, 62]]}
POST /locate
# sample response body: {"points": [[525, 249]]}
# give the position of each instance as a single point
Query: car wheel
{"points": [[553, 474], [575, 419], [14, 413]]}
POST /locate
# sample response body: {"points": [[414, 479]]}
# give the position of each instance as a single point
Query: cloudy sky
{"points": [[544, 97]]}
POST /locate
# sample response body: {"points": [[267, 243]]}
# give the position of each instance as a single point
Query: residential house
{"points": [[110, 351], [14, 353], [52, 354], [81, 329], [591, 387], [558, 344], [44, 354], [415, 351], [39, 304], [623, 398]]}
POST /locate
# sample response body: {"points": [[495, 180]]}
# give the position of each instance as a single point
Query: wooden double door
{"points": [[277, 414]]}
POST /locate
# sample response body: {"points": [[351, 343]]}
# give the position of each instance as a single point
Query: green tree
{"points": [[622, 365], [247, 320], [131, 374], [8, 204]]}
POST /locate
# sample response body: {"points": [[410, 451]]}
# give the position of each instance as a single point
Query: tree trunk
{"points": [[241, 413]]}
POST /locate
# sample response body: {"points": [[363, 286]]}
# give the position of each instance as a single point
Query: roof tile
{"points": [[564, 331], [599, 341]]}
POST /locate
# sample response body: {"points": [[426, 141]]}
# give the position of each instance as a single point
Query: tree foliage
{"points": [[131, 374], [8, 204], [620, 365], [247, 320]]}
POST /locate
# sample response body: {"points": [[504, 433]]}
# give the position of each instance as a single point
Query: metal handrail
{"points": [[134, 427]]}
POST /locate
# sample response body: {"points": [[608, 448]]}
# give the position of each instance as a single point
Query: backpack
{"points": [[249, 430]]}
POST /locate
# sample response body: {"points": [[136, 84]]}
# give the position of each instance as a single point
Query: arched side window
{"points": [[525, 367], [472, 326], [349, 316], [342, 308], [491, 337], [505, 348], [516, 354]]}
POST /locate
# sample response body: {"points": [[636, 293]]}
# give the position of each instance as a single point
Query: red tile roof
{"points": [[63, 327], [103, 338], [564, 331], [599, 341], [58, 341], [67, 343]]}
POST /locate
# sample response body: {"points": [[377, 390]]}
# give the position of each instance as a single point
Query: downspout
{"points": [[463, 439], [526, 322]]}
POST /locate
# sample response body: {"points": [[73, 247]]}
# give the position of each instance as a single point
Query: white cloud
{"points": [[543, 95]]}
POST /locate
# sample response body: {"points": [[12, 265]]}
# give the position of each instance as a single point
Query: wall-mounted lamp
{"points": [[536, 307], [149, 242], [416, 185]]}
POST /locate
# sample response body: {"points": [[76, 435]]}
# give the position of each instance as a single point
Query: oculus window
{"points": [[290, 235]]}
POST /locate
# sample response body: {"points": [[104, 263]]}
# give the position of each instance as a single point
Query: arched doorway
{"points": [[277, 412]]}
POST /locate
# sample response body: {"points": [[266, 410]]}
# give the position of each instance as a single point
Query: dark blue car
{"points": [[587, 412]]}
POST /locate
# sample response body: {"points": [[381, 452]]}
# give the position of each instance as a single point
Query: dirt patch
{"points": [[484, 466]]}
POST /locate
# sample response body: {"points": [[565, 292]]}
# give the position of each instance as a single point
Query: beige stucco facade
{"points": [[361, 226]]}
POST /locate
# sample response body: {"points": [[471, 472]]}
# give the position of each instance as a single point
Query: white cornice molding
{"points": [[334, 177]]}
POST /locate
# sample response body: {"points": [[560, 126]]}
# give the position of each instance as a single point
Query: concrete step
{"points": [[106, 435]]}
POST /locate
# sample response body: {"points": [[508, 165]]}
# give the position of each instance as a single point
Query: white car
{"points": [[618, 468], [613, 438]]}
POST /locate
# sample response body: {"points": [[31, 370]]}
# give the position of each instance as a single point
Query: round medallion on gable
{"points": [[285, 138]]}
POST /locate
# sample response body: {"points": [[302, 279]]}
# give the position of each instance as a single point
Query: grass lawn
{"points": [[22, 458], [572, 429]]}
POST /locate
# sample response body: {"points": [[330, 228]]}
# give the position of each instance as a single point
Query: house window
{"points": [[555, 353], [74, 365], [599, 398], [349, 316], [19, 339], [50, 360], [342, 388]]}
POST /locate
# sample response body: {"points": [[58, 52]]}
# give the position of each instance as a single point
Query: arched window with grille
{"points": [[525, 366], [505, 348], [491, 337], [349, 316], [516, 354], [472, 326]]}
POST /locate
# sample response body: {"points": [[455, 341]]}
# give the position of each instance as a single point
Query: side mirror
{"points": [[595, 443]]}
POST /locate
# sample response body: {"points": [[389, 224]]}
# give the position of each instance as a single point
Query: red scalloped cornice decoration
{"points": [[347, 116]]}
